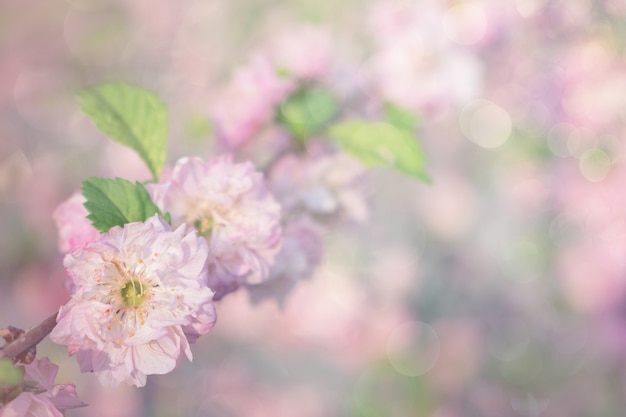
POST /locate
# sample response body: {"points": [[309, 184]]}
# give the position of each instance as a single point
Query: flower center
{"points": [[204, 226], [133, 293]]}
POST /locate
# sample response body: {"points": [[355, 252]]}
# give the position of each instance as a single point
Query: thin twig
{"points": [[31, 338]]}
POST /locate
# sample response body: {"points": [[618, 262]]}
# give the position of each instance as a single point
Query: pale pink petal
{"points": [[248, 102], [39, 396], [75, 230], [29, 404], [42, 372]]}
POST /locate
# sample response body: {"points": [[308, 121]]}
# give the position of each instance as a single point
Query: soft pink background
{"points": [[499, 290]]}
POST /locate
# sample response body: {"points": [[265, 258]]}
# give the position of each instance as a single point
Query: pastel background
{"points": [[499, 290]]}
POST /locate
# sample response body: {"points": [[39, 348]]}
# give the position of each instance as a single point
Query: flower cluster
{"points": [[316, 185], [145, 290], [148, 260]]}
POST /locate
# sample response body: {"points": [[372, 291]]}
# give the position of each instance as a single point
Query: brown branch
{"points": [[29, 339]]}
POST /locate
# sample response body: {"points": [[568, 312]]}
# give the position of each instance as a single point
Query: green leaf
{"points": [[115, 202], [131, 116], [401, 118], [10, 374], [307, 111], [379, 143]]}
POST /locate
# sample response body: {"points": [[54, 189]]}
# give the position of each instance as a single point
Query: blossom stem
{"points": [[29, 339]]}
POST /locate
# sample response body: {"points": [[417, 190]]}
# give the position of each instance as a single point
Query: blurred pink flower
{"points": [[415, 65], [303, 53], [140, 291], [591, 80], [75, 230], [248, 101], [298, 258], [324, 185], [40, 396], [230, 206], [269, 142]]}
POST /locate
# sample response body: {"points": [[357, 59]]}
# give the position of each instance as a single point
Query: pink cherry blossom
{"points": [[141, 296], [303, 52], [40, 397], [75, 230], [297, 260], [326, 185], [248, 102], [228, 204], [414, 64]]}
